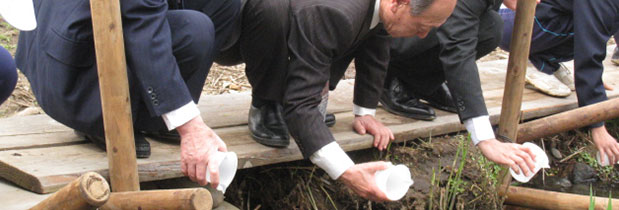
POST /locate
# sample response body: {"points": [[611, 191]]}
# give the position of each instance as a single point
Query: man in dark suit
{"points": [[169, 53], [295, 50], [441, 70], [579, 30]]}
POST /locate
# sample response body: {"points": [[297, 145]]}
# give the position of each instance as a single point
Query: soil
{"points": [[569, 172], [300, 185]]}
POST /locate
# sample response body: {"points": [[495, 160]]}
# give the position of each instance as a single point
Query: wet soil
{"points": [[300, 185]]}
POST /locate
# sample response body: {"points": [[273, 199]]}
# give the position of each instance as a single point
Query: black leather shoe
{"points": [[440, 99], [267, 125], [330, 120], [142, 147], [171, 136], [395, 99]]}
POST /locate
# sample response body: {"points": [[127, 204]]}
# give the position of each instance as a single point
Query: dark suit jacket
{"points": [[59, 60], [324, 36]]}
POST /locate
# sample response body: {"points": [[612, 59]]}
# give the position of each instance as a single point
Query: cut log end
{"points": [[201, 199], [94, 189]]}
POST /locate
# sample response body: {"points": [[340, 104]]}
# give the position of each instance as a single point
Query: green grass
{"points": [[605, 173], [591, 199], [610, 201]]}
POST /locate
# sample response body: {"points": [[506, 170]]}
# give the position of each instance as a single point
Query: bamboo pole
{"points": [[89, 191], [189, 199], [114, 86], [569, 120], [514, 82], [540, 199]]}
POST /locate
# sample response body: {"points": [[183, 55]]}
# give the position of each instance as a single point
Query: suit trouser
{"points": [[448, 54], [594, 22], [552, 40], [195, 42], [263, 47], [8, 74]]}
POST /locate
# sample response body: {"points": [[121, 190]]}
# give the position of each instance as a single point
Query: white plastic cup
{"points": [[19, 13], [394, 181], [603, 162], [541, 161], [228, 162]]}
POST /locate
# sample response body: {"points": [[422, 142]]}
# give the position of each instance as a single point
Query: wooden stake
{"points": [[189, 199], [514, 81], [114, 86], [569, 120], [541, 199], [89, 191]]}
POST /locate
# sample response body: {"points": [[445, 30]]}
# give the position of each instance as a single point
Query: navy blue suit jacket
{"points": [[59, 60]]}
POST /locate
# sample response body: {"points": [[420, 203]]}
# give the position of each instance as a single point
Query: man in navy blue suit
{"points": [[169, 51], [579, 30]]}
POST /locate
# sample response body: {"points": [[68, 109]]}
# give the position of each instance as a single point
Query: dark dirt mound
{"points": [[300, 185]]}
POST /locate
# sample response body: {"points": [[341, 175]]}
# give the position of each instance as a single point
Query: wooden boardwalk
{"points": [[41, 155]]}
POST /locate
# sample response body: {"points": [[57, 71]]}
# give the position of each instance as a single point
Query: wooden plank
{"points": [[14, 198], [47, 168], [39, 140], [217, 111]]}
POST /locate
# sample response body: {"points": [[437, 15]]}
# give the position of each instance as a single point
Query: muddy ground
{"points": [[435, 163]]}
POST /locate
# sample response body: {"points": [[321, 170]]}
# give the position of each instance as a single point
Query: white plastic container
{"points": [[603, 162], [228, 162], [394, 181], [19, 13], [541, 161]]}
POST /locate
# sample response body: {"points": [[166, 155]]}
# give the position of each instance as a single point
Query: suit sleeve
{"points": [[148, 46], [316, 34], [458, 39], [371, 61]]}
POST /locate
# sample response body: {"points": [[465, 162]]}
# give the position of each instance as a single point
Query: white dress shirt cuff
{"points": [[479, 128], [181, 115], [332, 159], [361, 111]]}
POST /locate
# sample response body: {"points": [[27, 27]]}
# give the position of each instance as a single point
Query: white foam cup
{"points": [[541, 161], [394, 181], [228, 162], [603, 162], [19, 13]]}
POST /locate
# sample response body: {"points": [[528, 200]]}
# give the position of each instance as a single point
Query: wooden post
{"points": [[189, 199], [540, 199], [89, 191], [569, 120], [514, 81], [114, 86]]}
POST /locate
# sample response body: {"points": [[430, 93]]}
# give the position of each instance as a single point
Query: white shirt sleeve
{"points": [[361, 111], [181, 115], [479, 128], [332, 159]]}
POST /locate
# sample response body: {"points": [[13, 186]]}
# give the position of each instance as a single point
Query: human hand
{"points": [[606, 144], [510, 154], [511, 4], [361, 179], [198, 143], [367, 123]]}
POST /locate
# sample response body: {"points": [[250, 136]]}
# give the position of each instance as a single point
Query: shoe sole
{"points": [[270, 142], [102, 146], [413, 116], [441, 107]]}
